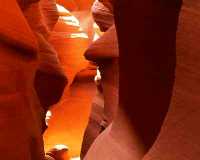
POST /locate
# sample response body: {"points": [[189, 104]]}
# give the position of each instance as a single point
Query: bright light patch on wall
{"points": [[96, 36], [79, 35], [70, 20], [61, 146], [48, 114], [62, 9], [97, 32], [48, 117], [97, 78], [95, 26], [76, 158], [80, 29]]}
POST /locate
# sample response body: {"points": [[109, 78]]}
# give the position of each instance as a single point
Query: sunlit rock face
{"points": [[70, 115], [21, 112], [70, 42], [50, 12], [21, 37], [70, 5], [24, 40], [38, 51], [42, 54], [49, 71], [74, 5], [82, 10]]}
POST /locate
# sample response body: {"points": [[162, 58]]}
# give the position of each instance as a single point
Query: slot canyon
{"points": [[99, 80]]}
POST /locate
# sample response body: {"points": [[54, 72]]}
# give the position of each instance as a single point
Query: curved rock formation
{"points": [[22, 111]]}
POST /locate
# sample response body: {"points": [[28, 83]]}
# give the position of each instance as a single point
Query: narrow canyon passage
{"points": [[99, 80], [70, 38], [70, 117]]}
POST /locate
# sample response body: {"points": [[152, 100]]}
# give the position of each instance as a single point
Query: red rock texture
{"points": [[179, 138], [22, 111], [104, 51], [73, 5], [158, 112], [104, 48], [147, 69], [33, 76], [70, 115]]}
